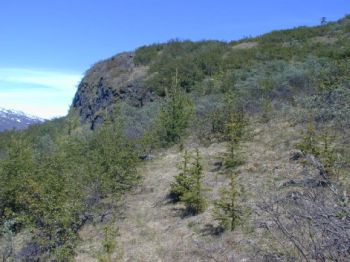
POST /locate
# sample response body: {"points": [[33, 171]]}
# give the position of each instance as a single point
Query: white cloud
{"points": [[38, 92]]}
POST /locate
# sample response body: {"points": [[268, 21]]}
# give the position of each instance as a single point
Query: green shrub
{"points": [[234, 134], [18, 181], [226, 209], [188, 187], [182, 181], [146, 54], [174, 116], [194, 197], [109, 243], [48, 187], [309, 143], [235, 128], [328, 154]]}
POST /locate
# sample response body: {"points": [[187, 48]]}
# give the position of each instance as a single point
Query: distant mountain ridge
{"points": [[13, 119]]}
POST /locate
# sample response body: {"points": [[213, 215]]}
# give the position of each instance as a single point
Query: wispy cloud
{"points": [[43, 93]]}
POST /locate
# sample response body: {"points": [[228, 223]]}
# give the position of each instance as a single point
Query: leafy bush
{"points": [[50, 190], [309, 143]]}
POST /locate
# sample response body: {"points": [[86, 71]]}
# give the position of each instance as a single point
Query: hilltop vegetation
{"points": [[67, 173], [271, 70]]}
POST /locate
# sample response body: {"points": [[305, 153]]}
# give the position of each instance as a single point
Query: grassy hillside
{"points": [[270, 117]]}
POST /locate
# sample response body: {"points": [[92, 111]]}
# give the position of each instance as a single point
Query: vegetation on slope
{"points": [[54, 176], [51, 185]]}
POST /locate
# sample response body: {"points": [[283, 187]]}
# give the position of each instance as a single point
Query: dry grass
{"points": [[324, 40], [154, 229], [245, 45]]}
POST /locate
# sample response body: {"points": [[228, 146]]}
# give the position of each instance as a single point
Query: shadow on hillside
{"points": [[211, 230]]}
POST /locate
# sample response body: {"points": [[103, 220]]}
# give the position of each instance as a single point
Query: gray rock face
{"points": [[106, 83]]}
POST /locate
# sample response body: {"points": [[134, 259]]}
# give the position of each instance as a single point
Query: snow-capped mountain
{"points": [[12, 119]]}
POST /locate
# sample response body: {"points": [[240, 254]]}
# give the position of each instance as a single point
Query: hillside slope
{"points": [[277, 65], [153, 228], [269, 116]]}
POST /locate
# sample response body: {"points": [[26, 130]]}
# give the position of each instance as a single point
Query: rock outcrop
{"points": [[106, 83]]}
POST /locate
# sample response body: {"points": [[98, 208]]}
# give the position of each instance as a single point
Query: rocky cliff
{"points": [[107, 82]]}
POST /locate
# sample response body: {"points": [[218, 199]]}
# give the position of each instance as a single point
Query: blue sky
{"points": [[46, 46]]}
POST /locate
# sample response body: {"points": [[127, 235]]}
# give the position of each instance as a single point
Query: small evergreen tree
{"points": [[116, 160], [109, 242], [182, 180], [175, 115], [234, 132], [187, 186], [222, 116], [327, 154], [193, 198], [309, 142], [322, 147], [226, 210]]}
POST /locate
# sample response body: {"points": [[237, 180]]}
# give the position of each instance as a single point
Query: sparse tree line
{"points": [[188, 186], [189, 189]]}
